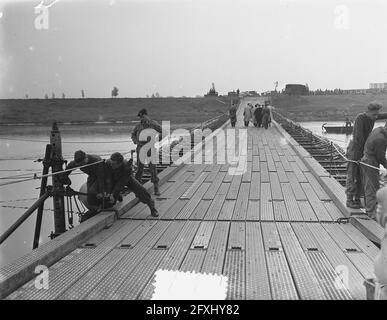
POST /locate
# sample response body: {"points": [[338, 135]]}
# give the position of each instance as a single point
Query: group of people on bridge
{"points": [[258, 114], [107, 179]]}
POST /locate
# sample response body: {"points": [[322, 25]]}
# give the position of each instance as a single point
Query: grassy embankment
{"points": [[181, 112], [326, 108]]}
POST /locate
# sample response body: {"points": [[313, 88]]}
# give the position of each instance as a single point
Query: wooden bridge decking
{"points": [[272, 231]]}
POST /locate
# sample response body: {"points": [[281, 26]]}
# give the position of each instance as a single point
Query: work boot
{"points": [[358, 202], [351, 204], [156, 189], [154, 212]]}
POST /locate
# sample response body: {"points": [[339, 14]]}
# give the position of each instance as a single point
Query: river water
{"points": [[18, 153]]}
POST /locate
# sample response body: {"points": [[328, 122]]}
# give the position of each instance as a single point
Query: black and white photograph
{"points": [[193, 156]]}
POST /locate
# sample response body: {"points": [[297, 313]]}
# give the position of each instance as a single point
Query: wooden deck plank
{"points": [[240, 209], [175, 209], [285, 164], [257, 277], [193, 202], [232, 193], [333, 211], [256, 164], [281, 172], [234, 270], [217, 204], [227, 210], [213, 262], [188, 194], [327, 276], [136, 235], [361, 240], [281, 280], [276, 191], [175, 255], [321, 194], [87, 282], [253, 210], [307, 211], [271, 238], [203, 235], [246, 177], [317, 205], [305, 237], [215, 169], [266, 203], [237, 235], [213, 188], [201, 210], [292, 208], [132, 286], [303, 275], [298, 173], [270, 164], [169, 236], [193, 261], [338, 259], [255, 186], [280, 212], [149, 238], [264, 172], [296, 187]]}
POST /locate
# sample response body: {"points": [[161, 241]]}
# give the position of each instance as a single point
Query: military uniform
{"points": [[95, 177], [375, 155], [118, 178], [232, 114], [247, 115], [258, 116], [361, 130], [145, 124]]}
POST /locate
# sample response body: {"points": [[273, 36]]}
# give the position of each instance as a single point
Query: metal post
{"points": [[25, 215], [43, 185], [57, 165]]}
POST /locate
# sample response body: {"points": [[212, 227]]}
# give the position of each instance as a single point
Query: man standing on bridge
{"points": [[118, 175], [374, 155], [232, 114], [145, 123], [362, 128], [258, 115], [247, 114]]}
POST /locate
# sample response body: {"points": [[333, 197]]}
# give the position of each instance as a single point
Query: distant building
{"points": [[378, 86], [296, 89]]}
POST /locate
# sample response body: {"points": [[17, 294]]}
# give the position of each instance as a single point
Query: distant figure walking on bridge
{"points": [[247, 114], [362, 128], [119, 174], [265, 117], [145, 123], [374, 155], [258, 115], [232, 114], [96, 188]]}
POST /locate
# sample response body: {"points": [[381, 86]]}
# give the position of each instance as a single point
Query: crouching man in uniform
{"points": [[119, 174], [96, 188]]}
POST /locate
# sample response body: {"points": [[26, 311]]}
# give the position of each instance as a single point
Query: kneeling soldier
{"points": [[119, 175]]}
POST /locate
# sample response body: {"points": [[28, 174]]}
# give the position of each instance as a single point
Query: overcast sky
{"points": [[179, 47]]}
